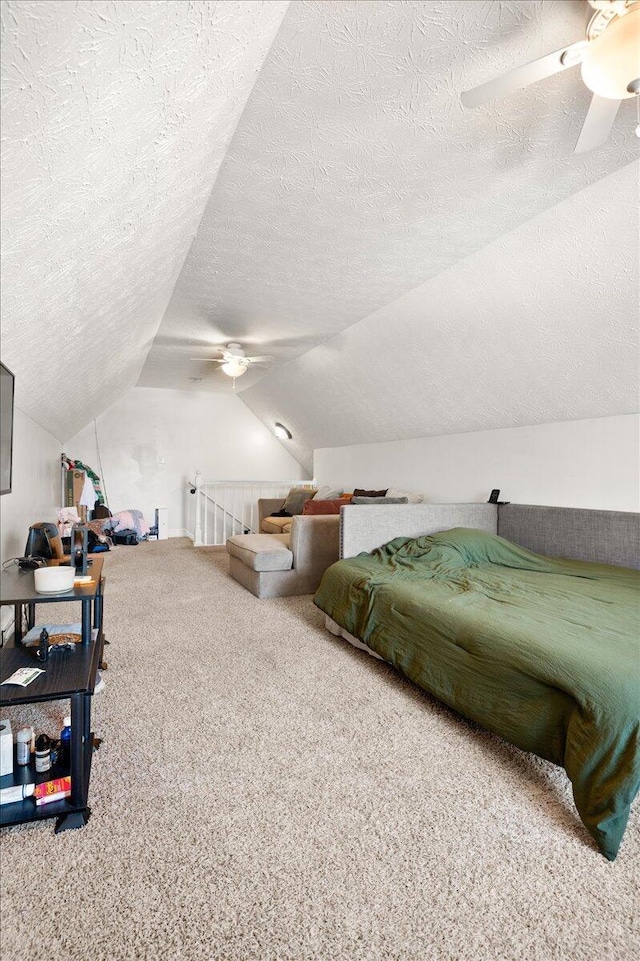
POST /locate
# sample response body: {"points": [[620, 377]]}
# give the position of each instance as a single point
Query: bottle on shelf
{"points": [[24, 739], [43, 753], [65, 741]]}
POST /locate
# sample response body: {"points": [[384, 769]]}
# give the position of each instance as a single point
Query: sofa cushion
{"points": [[262, 552], [276, 525]]}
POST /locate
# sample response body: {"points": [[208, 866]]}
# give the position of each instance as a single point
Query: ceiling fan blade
{"points": [[598, 123], [525, 75], [209, 360], [259, 360]]}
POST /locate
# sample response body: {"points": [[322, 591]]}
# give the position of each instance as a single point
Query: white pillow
{"points": [[326, 493], [411, 498]]}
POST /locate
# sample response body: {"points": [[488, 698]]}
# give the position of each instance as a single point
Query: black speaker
{"points": [[44, 541]]}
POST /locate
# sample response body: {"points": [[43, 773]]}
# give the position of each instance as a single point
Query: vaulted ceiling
{"points": [[303, 178], [116, 117]]}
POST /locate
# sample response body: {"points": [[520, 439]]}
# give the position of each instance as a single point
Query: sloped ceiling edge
{"points": [[537, 327]]}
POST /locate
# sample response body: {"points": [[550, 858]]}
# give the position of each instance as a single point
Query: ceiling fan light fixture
{"points": [[282, 432], [612, 60], [234, 367]]}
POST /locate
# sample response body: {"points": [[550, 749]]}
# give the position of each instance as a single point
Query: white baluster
{"points": [[197, 533]]}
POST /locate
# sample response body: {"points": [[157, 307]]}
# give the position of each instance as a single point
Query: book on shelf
{"points": [[49, 791]]}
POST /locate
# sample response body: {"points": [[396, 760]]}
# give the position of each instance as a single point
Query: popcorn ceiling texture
{"points": [[116, 117], [346, 178], [355, 176], [540, 326]]}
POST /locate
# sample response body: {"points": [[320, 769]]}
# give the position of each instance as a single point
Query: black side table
{"points": [[68, 674]]}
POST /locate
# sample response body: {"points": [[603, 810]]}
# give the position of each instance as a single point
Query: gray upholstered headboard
{"points": [[363, 528], [611, 537]]}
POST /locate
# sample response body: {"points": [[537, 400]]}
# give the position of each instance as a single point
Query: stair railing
{"points": [[227, 507]]}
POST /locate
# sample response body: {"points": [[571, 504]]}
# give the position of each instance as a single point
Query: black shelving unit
{"points": [[68, 674]]}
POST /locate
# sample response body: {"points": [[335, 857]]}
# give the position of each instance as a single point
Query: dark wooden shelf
{"points": [[26, 773], [68, 674], [20, 812], [18, 587]]}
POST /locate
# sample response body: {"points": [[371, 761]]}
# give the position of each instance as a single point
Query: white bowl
{"points": [[54, 580]]}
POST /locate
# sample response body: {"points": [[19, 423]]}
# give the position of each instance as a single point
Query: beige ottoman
{"points": [[280, 565], [258, 562]]}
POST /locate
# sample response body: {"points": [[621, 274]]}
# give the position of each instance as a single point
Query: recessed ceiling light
{"points": [[282, 432]]}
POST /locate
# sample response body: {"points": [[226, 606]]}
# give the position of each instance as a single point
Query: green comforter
{"points": [[544, 652]]}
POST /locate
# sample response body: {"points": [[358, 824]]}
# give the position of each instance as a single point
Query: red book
{"points": [[54, 790]]}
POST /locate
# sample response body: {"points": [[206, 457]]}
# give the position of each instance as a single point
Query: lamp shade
{"points": [[612, 60]]}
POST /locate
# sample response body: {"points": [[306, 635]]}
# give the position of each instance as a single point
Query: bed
{"points": [[544, 651]]}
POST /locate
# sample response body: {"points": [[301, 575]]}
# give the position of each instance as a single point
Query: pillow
{"points": [[379, 500], [326, 494], [359, 492], [411, 498], [325, 507], [295, 499]]}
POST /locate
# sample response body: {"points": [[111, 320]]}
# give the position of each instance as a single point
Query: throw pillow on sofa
{"points": [[325, 507], [326, 493], [359, 492], [294, 501]]}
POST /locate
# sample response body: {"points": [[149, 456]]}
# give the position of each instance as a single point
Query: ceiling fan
{"points": [[233, 362], [610, 67]]}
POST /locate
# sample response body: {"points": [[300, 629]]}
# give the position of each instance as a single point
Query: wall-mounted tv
{"points": [[6, 428]]}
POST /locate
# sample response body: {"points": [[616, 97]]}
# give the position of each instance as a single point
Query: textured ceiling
{"points": [[431, 252], [540, 326], [115, 119], [355, 176]]}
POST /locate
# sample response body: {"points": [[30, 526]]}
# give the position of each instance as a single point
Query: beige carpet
{"points": [[264, 791]]}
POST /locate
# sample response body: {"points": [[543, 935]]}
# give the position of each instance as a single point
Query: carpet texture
{"points": [[264, 791]]}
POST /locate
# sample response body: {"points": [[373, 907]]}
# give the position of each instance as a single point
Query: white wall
{"points": [[584, 463], [35, 484], [152, 441]]}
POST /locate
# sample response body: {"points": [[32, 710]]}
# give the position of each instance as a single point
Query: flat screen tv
{"points": [[6, 428]]}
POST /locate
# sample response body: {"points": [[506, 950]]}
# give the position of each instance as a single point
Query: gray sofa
{"points": [[279, 565]]}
